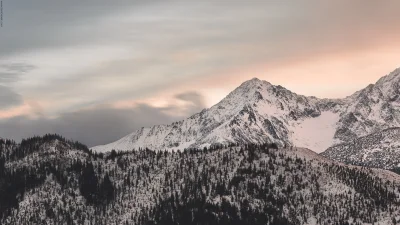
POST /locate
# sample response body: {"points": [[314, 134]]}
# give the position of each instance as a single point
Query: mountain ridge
{"points": [[259, 112], [242, 102]]}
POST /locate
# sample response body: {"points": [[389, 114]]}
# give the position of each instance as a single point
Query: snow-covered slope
{"points": [[316, 133], [259, 112]]}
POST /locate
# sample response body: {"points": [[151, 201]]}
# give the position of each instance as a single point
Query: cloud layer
{"points": [[101, 124], [61, 62], [8, 98]]}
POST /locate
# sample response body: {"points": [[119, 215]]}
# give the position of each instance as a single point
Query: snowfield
{"points": [[316, 133]]}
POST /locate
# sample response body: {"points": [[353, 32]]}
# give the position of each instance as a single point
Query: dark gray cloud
{"points": [[12, 72], [195, 99], [17, 67], [8, 77], [8, 98], [9, 74], [102, 124]]}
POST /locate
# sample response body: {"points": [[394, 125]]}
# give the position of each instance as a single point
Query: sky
{"points": [[97, 70]]}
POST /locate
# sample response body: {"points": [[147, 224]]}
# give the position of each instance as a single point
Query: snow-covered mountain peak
{"points": [[255, 81], [258, 112], [389, 85], [255, 112], [393, 76], [248, 89]]}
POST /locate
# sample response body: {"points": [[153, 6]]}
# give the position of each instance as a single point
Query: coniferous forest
{"points": [[51, 180]]}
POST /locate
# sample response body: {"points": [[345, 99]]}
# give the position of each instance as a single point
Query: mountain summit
{"points": [[259, 112]]}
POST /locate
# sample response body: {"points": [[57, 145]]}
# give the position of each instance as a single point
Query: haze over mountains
{"points": [[259, 112]]}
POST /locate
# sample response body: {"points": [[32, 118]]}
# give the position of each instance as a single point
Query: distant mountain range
{"points": [[259, 112]]}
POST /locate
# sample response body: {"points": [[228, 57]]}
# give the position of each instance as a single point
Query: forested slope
{"points": [[50, 180]]}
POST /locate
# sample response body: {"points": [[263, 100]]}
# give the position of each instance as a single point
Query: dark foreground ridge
{"points": [[49, 180]]}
